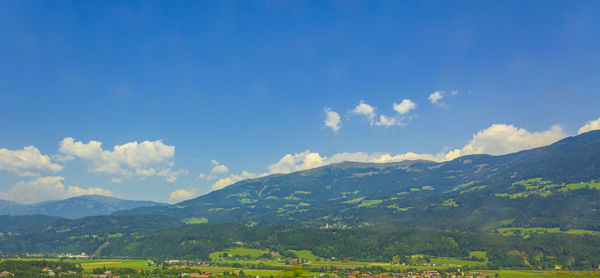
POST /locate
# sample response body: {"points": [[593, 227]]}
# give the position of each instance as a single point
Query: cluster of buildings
{"points": [[194, 275], [81, 256], [46, 271], [174, 264], [107, 274], [470, 275]]}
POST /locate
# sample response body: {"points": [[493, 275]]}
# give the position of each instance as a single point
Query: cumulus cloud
{"points": [[47, 188], [218, 167], [368, 112], [221, 169], [365, 110], [502, 139], [386, 121], [496, 140], [436, 97], [133, 159], [231, 179], [26, 162], [180, 195], [296, 162], [405, 106], [589, 126], [332, 119]]}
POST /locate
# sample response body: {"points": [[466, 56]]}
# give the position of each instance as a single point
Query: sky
{"points": [[169, 100]]}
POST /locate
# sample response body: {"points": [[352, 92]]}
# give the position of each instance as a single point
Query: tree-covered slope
{"points": [[378, 244], [76, 207], [553, 186]]}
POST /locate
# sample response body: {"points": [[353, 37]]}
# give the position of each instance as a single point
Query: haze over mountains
{"points": [[75, 207]]}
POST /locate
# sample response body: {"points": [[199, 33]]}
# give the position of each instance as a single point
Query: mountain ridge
{"points": [[474, 192], [74, 207]]}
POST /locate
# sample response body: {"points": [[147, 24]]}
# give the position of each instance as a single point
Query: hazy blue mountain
{"points": [[75, 207], [554, 186]]}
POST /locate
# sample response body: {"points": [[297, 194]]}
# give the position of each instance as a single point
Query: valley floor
{"points": [[346, 269]]}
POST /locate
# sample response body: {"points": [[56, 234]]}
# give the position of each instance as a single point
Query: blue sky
{"points": [[242, 88]]}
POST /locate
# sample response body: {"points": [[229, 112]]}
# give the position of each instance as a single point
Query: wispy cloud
{"points": [[47, 188]]}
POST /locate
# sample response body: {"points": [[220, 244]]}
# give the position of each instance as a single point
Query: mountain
{"points": [[552, 186], [76, 207]]}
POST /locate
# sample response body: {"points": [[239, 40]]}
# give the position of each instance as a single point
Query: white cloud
{"points": [[332, 119], [502, 139], [133, 159], [297, 162], [308, 160], [496, 140], [115, 180], [364, 110], [218, 167], [221, 169], [436, 96], [206, 177], [47, 188], [181, 195], [589, 126], [26, 162], [368, 112], [405, 106], [387, 121], [231, 179]]}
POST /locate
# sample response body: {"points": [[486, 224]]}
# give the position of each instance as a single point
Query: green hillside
{"points": [[557, 186]]}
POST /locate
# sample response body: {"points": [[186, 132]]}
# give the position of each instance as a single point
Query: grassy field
{"points": [[88, 265]]}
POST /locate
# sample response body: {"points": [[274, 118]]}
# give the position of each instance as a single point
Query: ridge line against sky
{"points": [[135, 160], [165, 101]]}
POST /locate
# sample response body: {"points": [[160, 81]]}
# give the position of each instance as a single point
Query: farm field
{"points": [[90, 264]]}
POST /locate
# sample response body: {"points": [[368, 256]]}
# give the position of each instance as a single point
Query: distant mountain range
{"points": [[552, 186], [75, 207], [443, 209]]}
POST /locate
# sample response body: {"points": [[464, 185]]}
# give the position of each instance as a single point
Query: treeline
{"points": [[34, 268], [539, 251]]}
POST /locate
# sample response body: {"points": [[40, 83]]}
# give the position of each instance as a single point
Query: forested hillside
{"points": [[553, 186]]}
